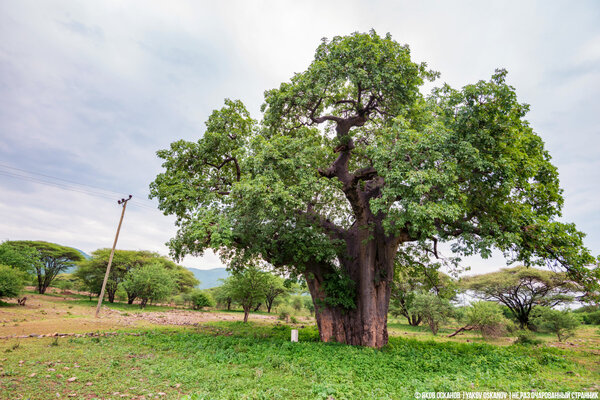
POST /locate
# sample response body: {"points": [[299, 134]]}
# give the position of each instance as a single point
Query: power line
{"points": [[98, 192], [58, 179]]}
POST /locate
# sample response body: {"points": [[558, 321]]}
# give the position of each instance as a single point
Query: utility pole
{"points": [[112, 253]]}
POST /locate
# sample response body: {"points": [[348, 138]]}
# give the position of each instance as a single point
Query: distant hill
{"points": [[209, 277], [85, 255]]}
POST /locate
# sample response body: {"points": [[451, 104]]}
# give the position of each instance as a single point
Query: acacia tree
{"points": [[247, 288], [521, 289], [53, 259], [351, 162]]}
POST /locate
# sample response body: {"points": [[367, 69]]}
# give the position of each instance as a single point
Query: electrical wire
{"points": [[68, 185]]}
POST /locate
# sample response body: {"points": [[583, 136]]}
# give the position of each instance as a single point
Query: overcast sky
{"points": [[90, 90]]}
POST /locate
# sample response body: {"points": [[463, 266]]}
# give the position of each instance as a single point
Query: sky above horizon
{"points": [[89, 91]]}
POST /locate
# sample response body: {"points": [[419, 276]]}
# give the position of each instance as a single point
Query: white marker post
{"points": [[294, 335]]}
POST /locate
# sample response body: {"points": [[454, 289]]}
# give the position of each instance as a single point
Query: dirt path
{"points": [[46, 315]]}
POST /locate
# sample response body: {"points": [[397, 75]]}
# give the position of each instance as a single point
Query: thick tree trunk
{"points": [[370, 266], [246, 312]]}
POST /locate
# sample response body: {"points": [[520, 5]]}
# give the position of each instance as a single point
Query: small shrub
{"points": [[433, 309], [487, 318], [11, 281], [200, 299], [526, 337], [284, 313], [562, 323], [591, 318]]}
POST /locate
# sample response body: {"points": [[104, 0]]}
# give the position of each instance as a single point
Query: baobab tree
{"points": [[349, 163]]}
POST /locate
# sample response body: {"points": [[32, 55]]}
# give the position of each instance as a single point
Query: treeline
{"points": [[518, 301], [142, 277], [139, 275]]}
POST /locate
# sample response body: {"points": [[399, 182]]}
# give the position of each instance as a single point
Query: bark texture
{"points": [[369, 264]]}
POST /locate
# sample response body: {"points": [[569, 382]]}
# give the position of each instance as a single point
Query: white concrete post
{"points": [[294, 335]]}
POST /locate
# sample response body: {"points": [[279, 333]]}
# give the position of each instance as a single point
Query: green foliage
{"points": [[24, 258], [415, 272], [201, 299], [150, 282], [350, 157], [562, 323], [274, 289], [590, 315], [255, 361], [339, 291], [222, 294], [247, 287], [434, 309], [67, 281], [308, 303], [92, 271], [285, 312], [11, 281], [526, 337], [522, 289], [53, 259], [591, 318], [487, 318]]}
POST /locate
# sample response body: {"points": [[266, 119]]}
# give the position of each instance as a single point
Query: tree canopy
{"points": [[521, 289], [24, 258], [92, 271], [351, 162], [11, 281], [150, 282], [247, 287], [54, 259]]}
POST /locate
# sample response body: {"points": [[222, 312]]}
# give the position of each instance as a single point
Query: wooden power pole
{"points": [[112, 253]]}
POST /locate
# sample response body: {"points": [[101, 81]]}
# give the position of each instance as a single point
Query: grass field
{"points": [[225, 359]]}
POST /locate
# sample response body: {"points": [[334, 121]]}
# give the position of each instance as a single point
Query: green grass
{"points": [[228, 360]]}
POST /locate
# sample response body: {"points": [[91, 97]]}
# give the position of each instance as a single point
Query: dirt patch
{"points": [[44, 315], [183, 317]]}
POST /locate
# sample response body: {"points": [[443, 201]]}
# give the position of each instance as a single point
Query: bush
{"points": [[199, 300], [150, 282], [433, 309], [591, 318], [562, 323], [11, 281], [284, 313], [297, 302], [487, 318], [308, 304], [526, 337]]}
